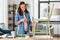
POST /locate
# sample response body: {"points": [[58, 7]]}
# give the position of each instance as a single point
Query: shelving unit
{"points": [[11, 16], [47, 23]]}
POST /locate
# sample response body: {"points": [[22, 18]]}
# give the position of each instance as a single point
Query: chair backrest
{"points": [[50, 11]]}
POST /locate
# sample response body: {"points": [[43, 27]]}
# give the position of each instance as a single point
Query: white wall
{"points": [[56, 28], [4, 12], [1, 11], [36, 9]]}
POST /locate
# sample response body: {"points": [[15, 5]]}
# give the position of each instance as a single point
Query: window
{"points": [[44, 8], [56, 9]]}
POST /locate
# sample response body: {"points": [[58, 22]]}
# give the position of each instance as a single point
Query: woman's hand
{"points": [[24, 20], [33, 24], [18, 22]]}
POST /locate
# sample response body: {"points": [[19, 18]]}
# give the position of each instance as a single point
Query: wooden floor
{"points": [[17, 38]]}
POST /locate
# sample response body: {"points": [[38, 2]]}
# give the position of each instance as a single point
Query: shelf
{"points": [[11, 16]]}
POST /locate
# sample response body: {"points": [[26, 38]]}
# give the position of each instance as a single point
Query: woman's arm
{"points": [[29, 19], [18, 22], [32, 23]]}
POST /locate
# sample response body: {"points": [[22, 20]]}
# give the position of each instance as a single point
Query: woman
{"points": [[22, 19]]}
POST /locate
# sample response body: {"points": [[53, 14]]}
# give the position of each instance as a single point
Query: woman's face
{"points": [[23, 7]]}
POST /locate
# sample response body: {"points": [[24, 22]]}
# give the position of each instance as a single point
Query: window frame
{"points": [[48, 7]]}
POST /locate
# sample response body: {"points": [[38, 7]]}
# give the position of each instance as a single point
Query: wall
{"points": [[56, 28], [4, 12], [1, 11], [36, 9]]}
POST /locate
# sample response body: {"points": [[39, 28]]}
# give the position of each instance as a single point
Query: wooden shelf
{"points": [[11, 16]]}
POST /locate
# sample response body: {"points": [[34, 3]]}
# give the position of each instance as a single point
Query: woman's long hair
{"points": [[19, 9]]}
